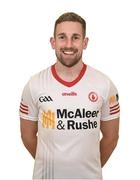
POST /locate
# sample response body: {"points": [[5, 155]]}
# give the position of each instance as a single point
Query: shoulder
{"points": [[37, 82], [98, 76], [39, 77], [100, 81]]}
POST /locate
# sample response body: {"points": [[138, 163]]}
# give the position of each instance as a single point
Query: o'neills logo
{"points": [[68, 119], [69, 94]]}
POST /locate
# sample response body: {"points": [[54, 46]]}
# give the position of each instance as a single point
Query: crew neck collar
{"points": [[67, 83]]}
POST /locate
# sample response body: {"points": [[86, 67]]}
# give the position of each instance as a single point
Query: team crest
{"points": [[93, 96]]}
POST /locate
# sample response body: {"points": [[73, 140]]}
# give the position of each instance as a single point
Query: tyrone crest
{"points": [[93, 96]]}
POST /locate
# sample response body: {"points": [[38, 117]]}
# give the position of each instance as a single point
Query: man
{"points": [[64, 108]]}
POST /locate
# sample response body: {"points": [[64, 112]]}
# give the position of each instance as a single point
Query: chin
{"points": [[69, 64]]}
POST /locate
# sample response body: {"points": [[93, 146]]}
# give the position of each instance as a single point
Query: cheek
{"points": [[58, 46], [80, 47]]}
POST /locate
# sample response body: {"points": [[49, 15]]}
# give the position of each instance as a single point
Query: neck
{"points": [[68, 73]]}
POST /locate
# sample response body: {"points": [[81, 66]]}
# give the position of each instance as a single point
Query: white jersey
{"points": [[69, 115]]}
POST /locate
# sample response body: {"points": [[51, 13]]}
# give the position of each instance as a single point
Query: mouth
{"points": [[68, 52]]}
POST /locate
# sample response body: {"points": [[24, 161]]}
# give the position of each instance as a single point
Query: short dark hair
{"points": [[70, 16]]}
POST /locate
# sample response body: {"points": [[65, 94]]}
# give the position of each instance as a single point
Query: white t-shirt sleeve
{"points": [[110, 108], [28, 108]]}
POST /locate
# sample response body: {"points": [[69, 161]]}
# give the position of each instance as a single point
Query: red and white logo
{"points": [[93, 96]]}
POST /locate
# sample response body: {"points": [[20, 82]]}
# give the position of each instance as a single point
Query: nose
{"points": [[69, 43]]}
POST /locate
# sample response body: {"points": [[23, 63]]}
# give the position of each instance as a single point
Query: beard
{"points": [[68, 61]]}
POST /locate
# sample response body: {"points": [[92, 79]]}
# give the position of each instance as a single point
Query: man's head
{"points": [[71, 17], [69, 38]]}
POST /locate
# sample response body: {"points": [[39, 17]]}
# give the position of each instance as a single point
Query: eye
{"points": [[61, 37], [75, 37]]}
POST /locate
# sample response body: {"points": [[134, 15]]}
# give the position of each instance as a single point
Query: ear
{"points": [[52, 41], [85, 43]]}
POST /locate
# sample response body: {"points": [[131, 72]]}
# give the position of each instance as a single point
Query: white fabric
{"points": [[69, 123]]}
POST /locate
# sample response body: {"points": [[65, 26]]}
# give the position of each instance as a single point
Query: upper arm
{"points": [[28, 128], [110, 109], [28, 112], [28, 107], [110, 128]]}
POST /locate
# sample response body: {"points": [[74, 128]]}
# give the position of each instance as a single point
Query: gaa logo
{"points": [[93, 96], [45, 98]]}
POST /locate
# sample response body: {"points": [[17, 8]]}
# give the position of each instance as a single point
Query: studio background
{"points": [[113, 28]]}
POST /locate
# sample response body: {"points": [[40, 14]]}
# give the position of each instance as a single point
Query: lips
{"points": [[68, 52]]}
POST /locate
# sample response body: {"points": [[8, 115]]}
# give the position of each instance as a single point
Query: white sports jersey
{"points": [[68, 115]]}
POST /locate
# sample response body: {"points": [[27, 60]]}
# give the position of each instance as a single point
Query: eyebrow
{"points": [[60, 34], [75, 34]]}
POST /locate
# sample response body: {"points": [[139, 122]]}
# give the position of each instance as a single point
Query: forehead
{"points": [[69, 27]]}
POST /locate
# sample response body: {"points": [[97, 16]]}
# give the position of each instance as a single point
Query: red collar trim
{"points": [[66, 83]]}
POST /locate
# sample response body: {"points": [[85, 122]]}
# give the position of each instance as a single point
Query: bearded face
{"points": [[68, 56], [69, 43]]}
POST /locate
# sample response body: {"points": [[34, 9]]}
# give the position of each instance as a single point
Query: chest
{"points": [[69, 109], [69, 98]]}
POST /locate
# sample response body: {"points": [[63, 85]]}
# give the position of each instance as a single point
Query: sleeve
{"points": [[110, 108], [28, 108]]}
